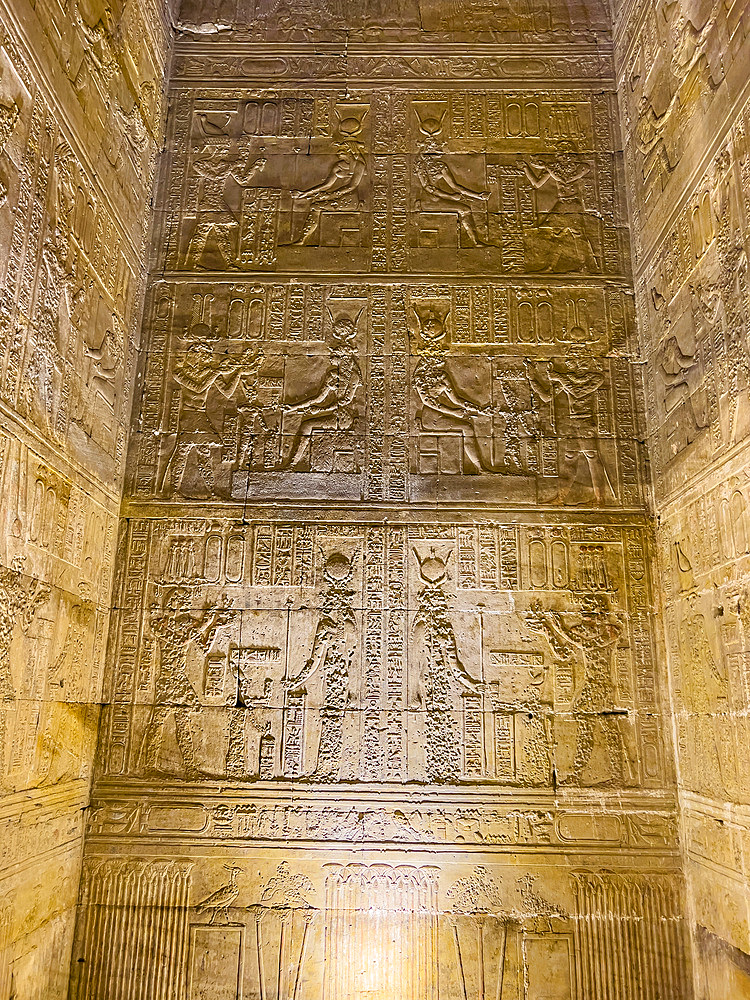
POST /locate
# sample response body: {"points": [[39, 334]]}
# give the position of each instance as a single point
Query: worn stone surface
{"points": [[80, 117], [403, 694], [683, 85], [385, 715]]}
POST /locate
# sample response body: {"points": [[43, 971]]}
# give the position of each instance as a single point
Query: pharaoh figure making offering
{"points": [[591, 636], [175, 628]]}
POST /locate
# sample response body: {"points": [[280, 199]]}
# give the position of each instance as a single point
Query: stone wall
{"points": [[385, 710], [684, 90], [80, 120]]}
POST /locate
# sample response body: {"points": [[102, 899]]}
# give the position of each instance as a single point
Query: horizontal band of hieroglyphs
{"points": [[524, 825], [512, 68]]}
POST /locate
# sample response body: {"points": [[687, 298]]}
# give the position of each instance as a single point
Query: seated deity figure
{"points": [[443, 192], [443, 407], [338, 190], [333, 407]]}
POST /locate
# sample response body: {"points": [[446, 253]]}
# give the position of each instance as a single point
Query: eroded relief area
{"points": [[384, 686], [335, 21]]}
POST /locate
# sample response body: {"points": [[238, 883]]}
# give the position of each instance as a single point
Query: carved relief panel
{"points": [[56, 558], [680, 70], [362, 653], [682, 79], [455, 181], [262, 926], [382, 666], [390, 391], [409, 20], [68, 272], [694, 307], [706, 620]]}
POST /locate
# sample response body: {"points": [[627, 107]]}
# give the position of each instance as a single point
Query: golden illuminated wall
{"points": [[385, 709], [80, 94], [683, 82]]}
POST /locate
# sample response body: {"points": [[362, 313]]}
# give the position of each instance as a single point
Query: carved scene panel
{"points": [[445, 654], [393, 392], [694, 307], [359, 181], [263, 926], [409, 20]]}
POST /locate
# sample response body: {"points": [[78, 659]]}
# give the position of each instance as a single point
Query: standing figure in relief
{"points": [[78, 642], [333, 407], [444, 193], [705, 693], [681, 375], [573, 394], [444, 675], [443, 406], [102, 366], [567, 217], [733, 289], [51, 329], [49, 334], [656, 137], [214, 215], [515, 419], [19, 603], [199, 370], [596, 632], [175, 627], [9, 115], [339, 190], [333, 648]]}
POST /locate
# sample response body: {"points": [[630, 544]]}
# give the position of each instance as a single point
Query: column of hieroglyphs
{"points": [[684, 87], [80, 112], [385, 713]]}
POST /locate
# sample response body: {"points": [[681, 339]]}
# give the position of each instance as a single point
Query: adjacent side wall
{"points": [[684, 92], [80, 114]]}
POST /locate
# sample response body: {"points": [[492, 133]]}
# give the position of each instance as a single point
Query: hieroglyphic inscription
{"points": [[384, 666]]}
